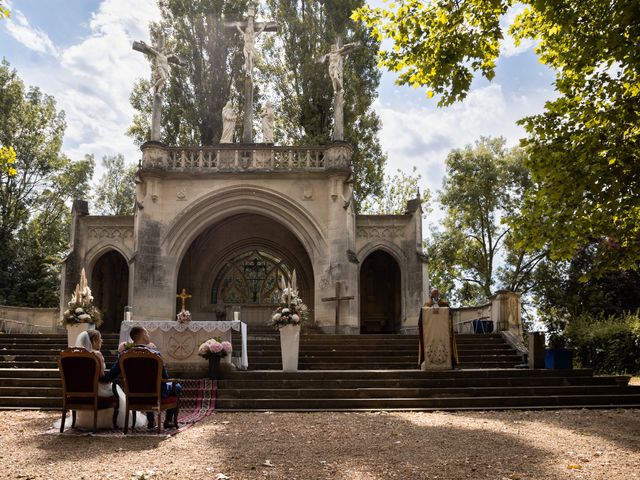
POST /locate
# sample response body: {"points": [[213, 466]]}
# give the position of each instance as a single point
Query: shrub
{"points": [[606, 344]]}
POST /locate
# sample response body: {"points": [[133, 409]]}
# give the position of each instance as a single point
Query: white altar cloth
{"points": [[222, 329]]}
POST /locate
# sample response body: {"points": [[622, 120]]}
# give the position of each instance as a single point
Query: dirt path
{"points": [[518, 445]]}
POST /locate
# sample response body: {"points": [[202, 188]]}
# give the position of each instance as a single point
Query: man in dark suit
{"points": [[140, 337]]}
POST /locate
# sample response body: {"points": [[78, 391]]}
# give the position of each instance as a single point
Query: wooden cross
{"points": [[338, 298], [183, 296]]}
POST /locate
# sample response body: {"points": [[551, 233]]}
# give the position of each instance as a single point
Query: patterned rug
{"points": [[197, 401]]}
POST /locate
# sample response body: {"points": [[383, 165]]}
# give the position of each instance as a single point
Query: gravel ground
{"points": [[512, 445]]}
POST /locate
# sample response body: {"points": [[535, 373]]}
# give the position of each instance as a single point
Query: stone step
{"points": [[30, 382], [444, 403], [443, 392], [30, 372], [31, 391], [306, 366], [462, 382]]}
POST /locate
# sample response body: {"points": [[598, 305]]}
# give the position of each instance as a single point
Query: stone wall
{"points": [[29, 320]]}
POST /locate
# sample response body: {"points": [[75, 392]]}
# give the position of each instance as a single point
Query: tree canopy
{"points": [[36, 180], [583, 150], [116, 190], [396, 192], [475, 250]]}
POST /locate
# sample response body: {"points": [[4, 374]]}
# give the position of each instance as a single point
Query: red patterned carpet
{"points": [[197, 401]]}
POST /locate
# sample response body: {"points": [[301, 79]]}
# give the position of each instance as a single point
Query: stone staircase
{"points": [[357, 372], [29, 376]]}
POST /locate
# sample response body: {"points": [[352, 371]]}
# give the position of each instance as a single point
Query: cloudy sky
{"points": [[80, 52]]}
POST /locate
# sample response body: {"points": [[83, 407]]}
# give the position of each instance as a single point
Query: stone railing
{"points": [[245, 158]]}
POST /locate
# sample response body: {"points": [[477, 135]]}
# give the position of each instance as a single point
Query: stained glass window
{"points": [[250, 278]]}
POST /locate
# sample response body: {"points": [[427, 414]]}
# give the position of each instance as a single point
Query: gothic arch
{"points": [[382, 304], [109, 280], [235, 200]]}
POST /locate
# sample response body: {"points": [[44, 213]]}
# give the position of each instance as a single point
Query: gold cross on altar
{"points": [[338, 298], [183, 296]]}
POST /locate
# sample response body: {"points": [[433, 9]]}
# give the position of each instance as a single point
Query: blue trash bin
{"points": [[482, 326]]}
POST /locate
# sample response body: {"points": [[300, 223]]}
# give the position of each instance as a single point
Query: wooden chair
{"points": [[79, 372], [142, 377]]}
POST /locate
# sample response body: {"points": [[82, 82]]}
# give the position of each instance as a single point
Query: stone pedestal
{"points": [[289, 346], [436, 339], [536, 350], [75, 329]]}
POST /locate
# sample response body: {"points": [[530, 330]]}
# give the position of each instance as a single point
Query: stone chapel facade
{"points": [[224, 222]]}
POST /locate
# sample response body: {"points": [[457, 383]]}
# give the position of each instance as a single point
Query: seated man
{"points": [[140, 337]]}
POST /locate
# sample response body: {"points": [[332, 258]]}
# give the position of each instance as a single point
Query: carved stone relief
{"points": [[115, 233], [379, 232]]}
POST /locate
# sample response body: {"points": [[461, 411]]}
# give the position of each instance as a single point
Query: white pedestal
{"points": [[75, 329], [289, 345], [437, 339]]}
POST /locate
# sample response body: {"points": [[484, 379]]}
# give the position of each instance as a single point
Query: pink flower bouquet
{"points": [[214, 348]]}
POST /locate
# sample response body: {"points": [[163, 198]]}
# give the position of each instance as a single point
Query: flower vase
{"points": [[289, 346], [74, 329], [214, 368]]}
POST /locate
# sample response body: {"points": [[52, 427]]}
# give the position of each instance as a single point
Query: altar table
{"points": [[179, 342]]}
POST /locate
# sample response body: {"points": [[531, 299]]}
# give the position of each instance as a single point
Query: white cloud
{"points": [[424, 136], [31, 37], [93, 80], [508, 46]]}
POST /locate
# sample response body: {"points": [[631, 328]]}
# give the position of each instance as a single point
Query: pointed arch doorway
{"points": [[380, 300], [110, 287]]}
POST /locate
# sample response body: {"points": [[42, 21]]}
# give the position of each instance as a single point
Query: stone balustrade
{"points": [[245, 158]]}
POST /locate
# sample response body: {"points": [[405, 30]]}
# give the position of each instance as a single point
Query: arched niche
{"points": [[380, 294], [110, 287], [249, 249]]}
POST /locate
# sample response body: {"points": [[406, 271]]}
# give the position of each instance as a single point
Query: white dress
{"points": [[84, 418]]}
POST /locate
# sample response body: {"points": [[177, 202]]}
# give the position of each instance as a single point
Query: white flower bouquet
{"points": [[292, 310], [184, 316], [81, 308]]}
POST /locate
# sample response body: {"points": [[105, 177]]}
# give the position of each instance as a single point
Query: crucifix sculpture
{"points": [[183, 296], [251, 30], [338, 299], [335, 58], [162, 59]]}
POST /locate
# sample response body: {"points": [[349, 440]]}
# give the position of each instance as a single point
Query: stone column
{"points": [[536, 350], [436, 336], [506, 313]]}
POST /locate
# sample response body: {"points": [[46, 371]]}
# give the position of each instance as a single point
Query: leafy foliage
{"points": [[482, 186], [396, 192], [196, 92], [116, 192], [34, 218], [4, 12], [303, 89], [583, 150], [606, 344]]}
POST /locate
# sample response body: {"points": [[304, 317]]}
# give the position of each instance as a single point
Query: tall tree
{"points": [[584, 147], [303, 89], [196, 92], [475, 251], [34, 218], [396, 192], [116, 190]]}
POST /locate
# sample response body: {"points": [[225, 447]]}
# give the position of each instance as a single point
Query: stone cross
{"points": [[160, 77], [183, 296], [338, 298], [251, 30], [335, 58]]}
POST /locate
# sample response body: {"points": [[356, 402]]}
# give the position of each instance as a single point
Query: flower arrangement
{"points": [[292, 310], [184, 316], [124, 346], [81, 308], [214, 348]]}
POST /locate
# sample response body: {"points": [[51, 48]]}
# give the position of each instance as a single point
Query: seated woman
{"points": [[91, 340]]}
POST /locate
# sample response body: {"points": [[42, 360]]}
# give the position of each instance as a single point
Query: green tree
{"points": [[396, 192], [303, 90], [583, 150], [34, 218], [475, 250], [116, 190], [196, 92]]}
